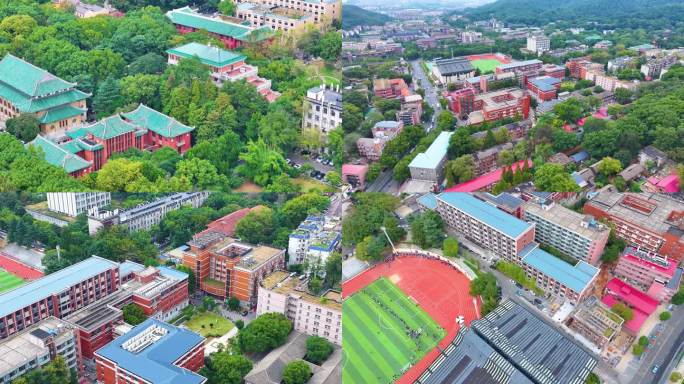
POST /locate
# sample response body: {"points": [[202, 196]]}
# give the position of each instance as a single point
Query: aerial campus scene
{"points": [[326, 191]]}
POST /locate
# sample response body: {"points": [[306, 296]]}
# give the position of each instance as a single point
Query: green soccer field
{"points": [[376, 325], [9, 281], [485, 65]]}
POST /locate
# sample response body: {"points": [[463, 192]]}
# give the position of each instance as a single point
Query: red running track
{"points": [[18, 268], [439, 289], [502, 59]]}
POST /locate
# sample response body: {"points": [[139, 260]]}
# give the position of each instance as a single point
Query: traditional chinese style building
{"points": [[25, 88]]}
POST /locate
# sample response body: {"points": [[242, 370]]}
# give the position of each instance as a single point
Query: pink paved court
{"points": [[439, 289]]}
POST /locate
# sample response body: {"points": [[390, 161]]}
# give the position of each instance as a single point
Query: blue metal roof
{"points": [[545, 83], [428, 200], [172, 273], [53, 283], [510, 225], [575, 277], [434, 154], [579, 156], [156, 362], [128, 267]]}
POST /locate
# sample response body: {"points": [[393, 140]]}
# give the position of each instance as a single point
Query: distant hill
{"points": [[353, 16], [633, 14]]}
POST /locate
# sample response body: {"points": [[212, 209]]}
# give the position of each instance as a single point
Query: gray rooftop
{"points": [[454, 65], [653, 212], [583, 225], [469, 359], [545, 355]]}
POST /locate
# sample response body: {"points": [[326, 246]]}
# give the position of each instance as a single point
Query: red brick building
{"points": [[489, 106], [152, 352], [654, 222], [390, 88], [544, 88], [58, 294], [225, 267], [160, 291]]}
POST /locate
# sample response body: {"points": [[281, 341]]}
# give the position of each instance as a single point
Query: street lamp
{"points": [[388, 239]]}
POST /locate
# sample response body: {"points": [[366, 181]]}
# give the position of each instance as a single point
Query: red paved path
{"points": [[18, 268], [439, 289]]}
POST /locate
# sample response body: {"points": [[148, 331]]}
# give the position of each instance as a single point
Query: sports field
{"points": [[385, 333], [9, 281], [485, 65]]}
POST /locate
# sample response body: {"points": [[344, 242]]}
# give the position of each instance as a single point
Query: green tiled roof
{"points": [[187, 17], [32, 89], [107, 128], [157, 122], [78, 145], [209, 55], [58, 156], [29, 79], [60, 113]]}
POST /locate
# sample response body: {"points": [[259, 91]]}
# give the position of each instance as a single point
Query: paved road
{"points": [[380, 182], [431, 96], [667, 345]]}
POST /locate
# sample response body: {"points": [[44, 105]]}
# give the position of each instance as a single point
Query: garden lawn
{"points": [[9, 281], [221, 325], [307, 184], [485, 65], [377, 322]]}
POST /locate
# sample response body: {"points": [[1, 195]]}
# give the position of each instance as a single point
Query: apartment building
{"points": [[411, 110], [75, 203], [322, 109], [36, 347], [320, 11], [383, 131], [538, 44], [429, 165], [487, 160], [390, 88], [596, 322], [574, 234], [658, 276], [316, 316], [556, 277], [58, 294], [152, 352], [313, 241], [653, 222], [146, 215], [493, 229], [225, 267]]}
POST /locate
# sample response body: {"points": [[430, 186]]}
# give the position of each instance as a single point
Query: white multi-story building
{"points": [[322, 109], [145, 215], [76, 203], [313, 241], [538, 44], [37, 346], [314, 315], [574, 234]]}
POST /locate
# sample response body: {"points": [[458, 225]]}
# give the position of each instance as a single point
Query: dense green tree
{"points": [[257, 227], [24, 127], [460, 170], [133, 314], [427, 229], [108, 97], [318, 349], [227, 7], [623, 311], [261, 163], [296, 372], [553, 178], [266, 332], [225, 368]]}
